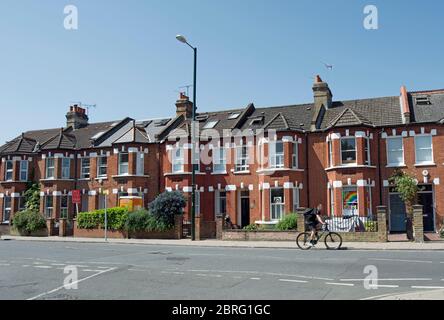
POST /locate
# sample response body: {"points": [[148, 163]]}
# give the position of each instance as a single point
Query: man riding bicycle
{"points": [[314, 222]]}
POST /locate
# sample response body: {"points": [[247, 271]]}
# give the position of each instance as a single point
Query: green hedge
{"points": [[143, 220], [28, 222], [290, 222], [117, 218]]}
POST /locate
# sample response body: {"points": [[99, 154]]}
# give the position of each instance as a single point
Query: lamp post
{"points": [[193, 142]]}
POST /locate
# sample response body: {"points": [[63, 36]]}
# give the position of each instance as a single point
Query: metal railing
{"points": [[351, 223]]}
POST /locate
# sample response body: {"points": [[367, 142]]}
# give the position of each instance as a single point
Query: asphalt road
{"points": [[35, 270]]}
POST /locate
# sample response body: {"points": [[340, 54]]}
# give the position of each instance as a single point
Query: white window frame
{"points": [[7, 209], [330, 153], [277, 159], [21, 203], [24, 170], [64, 210], [390, 150], [123, 165], [49, 210], [50, 169], [347, 162], [332, 202], [100, 166], [275, 206], [242, 159], [140, 164], [429, 136], [219, 160], [66, 171], [9, 173], [295, 155], [85, 174], [367, 158], [177, 159], [218, 201], [296, 199], [356, 213]]}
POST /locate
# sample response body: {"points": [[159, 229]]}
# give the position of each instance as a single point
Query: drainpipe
{"points": [[379, 166], [307, 176]]}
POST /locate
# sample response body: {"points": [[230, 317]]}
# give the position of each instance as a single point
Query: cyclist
{"points": [[313, 222]]}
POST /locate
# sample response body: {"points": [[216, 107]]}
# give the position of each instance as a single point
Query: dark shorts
{"points": [[313, 226]]}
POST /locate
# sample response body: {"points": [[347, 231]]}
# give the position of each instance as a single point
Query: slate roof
{"points": [[375, 112], [427, 113]]}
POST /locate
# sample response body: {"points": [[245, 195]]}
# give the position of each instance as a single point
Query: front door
{"points": [[245, 212], [397, 213], [426, 199]]}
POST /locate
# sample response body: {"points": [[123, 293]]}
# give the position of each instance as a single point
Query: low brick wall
{"points": [[98, 233], [39, 233], [4, 229], [241, 235]]}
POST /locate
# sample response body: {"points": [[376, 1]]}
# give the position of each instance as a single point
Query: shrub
{"points": [[253, 227], [371, 226], [117, 218], [28, 221], [290, 222], [441, 232], [32, 197], [166, 206], [143, 220]]}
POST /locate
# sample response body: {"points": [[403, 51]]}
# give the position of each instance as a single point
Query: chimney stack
{"points": [[76, 117], [405, 106], [184, 106], [322, 94]]}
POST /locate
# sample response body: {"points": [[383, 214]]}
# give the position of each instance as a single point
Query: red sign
{"points": [[76, 197]]}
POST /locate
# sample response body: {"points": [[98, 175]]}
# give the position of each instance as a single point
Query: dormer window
{"points": [[233, 116], [423, 100], [257, 121]]}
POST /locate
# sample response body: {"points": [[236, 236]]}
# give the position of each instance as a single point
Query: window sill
{"points": [[122, 176], [13, 181], [278, 169], [182, 173], [400, 165], [56, 180], [101, 178], [219, 173], [241, 172], [426, 164], [350, 167]]}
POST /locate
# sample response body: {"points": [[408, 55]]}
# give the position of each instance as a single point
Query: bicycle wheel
{"points": [[333, 241], [303, 241]]}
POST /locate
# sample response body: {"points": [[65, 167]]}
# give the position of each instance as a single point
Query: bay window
{"points": [[277, 204], [178, 160], [49, 206], [7, 209], [350, 201], [50, 168], [64, 201], [296, 204], [294, 156], [219, 160], [24, 165], [221, 203], [395, 151], [123, 163], [348, 150], [423, 149], [9, 172], [276, 154], [140, 164], [367, 159]]}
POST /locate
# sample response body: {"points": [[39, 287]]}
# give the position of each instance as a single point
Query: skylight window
{"points": [[424, 100], [97, 135], [233, 116], [257, 121], [210, 124], [201, 118]]}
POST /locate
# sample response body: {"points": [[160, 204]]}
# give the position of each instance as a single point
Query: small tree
{"points": [[408, 192], [167, 205], [32, 197]]}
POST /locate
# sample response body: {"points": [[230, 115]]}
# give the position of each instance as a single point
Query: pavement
{"points": [[436, 245], [55, 270]]}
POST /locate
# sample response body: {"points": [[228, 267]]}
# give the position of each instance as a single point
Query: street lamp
{"points": [[182, 39]]}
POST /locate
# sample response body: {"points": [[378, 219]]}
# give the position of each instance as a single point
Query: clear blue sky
{"points": [[125, 58]]}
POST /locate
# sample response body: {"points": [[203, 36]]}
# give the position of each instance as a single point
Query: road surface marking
{"points": [[73, 283], [426, 287], [291, 280], [90, 270], [58, 264], [43, 267], [255, 278], [377, 286], [25, 266], [137, 270], [340, 284], [265, 273], [385, 295], [400, 260], [4, 264], [400, 279], [201, 275]]}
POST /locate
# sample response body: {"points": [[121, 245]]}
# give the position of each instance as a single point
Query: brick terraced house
{"points": [[255, 164]]}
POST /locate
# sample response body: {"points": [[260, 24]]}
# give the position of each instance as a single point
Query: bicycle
{"points": [[332, 240]]}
